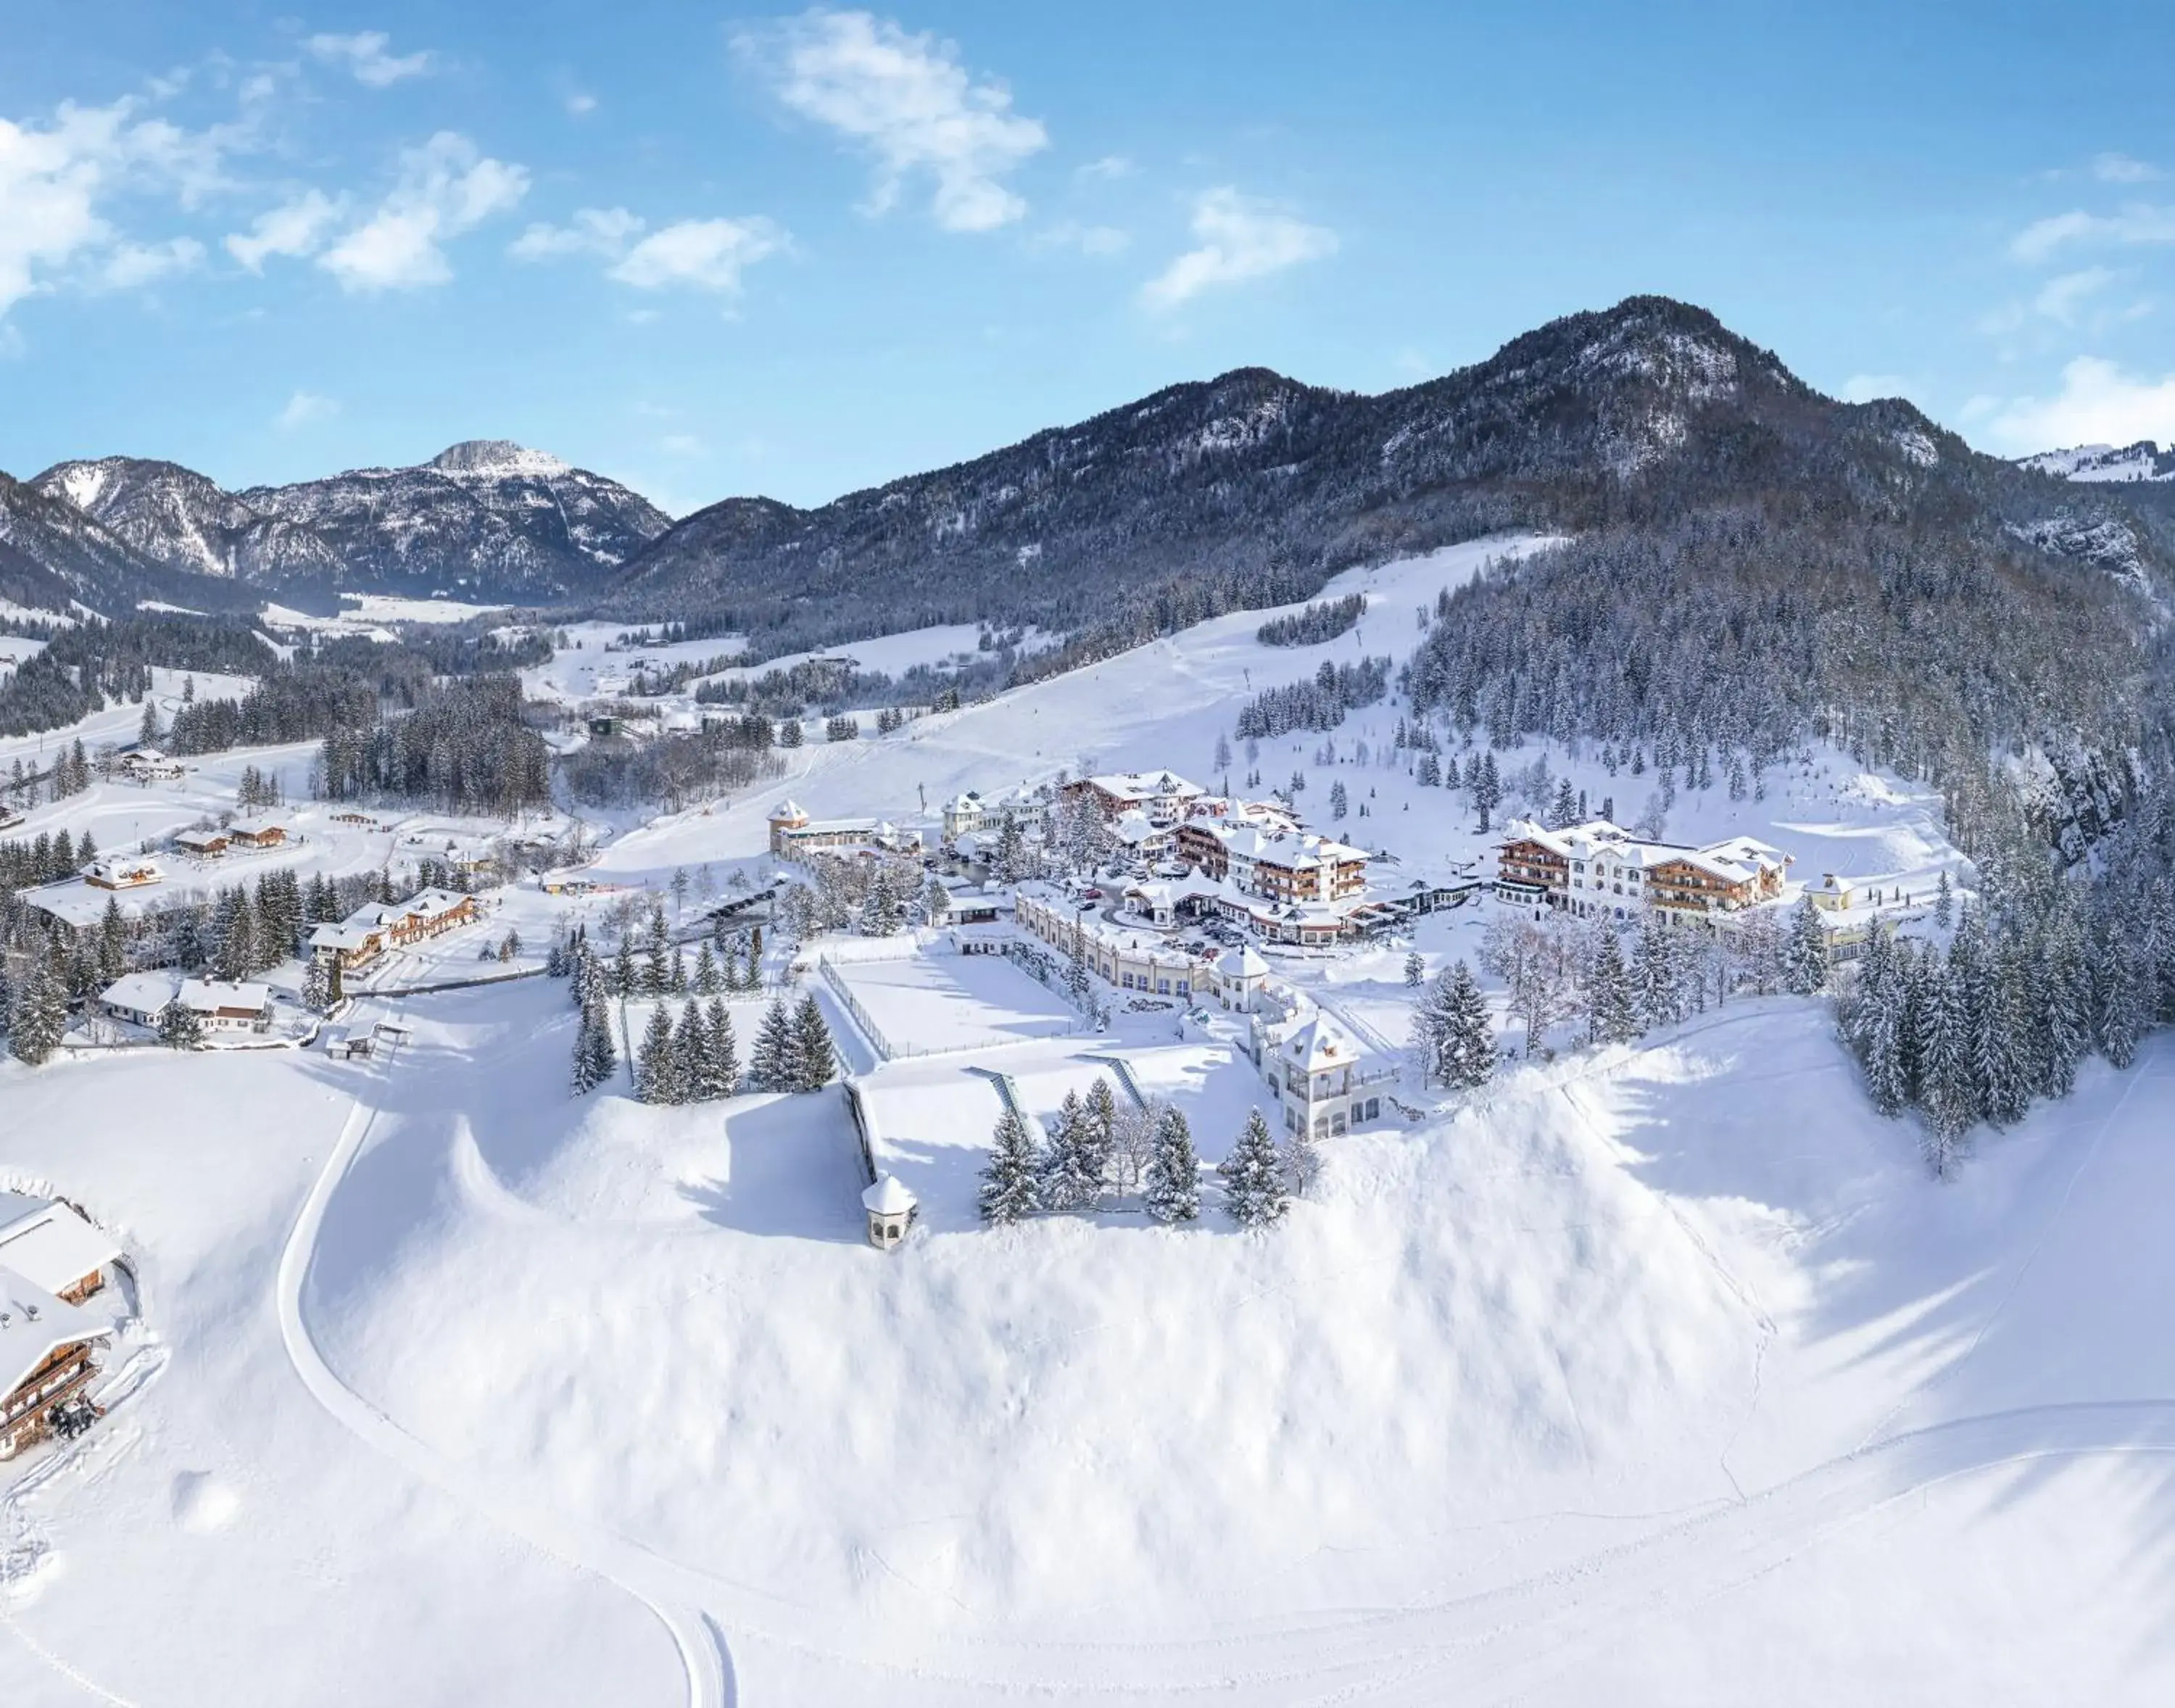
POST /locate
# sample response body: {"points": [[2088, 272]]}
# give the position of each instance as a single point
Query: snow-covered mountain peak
{"points": [[2142, 461], [81, 483], [497, 459]]}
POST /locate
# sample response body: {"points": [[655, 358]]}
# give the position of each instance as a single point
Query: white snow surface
{"points": [[1653, 1374]]}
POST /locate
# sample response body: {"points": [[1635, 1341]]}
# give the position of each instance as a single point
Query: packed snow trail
{"points": [[702, 1653]]}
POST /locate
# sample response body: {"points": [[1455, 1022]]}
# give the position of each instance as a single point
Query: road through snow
{"points": [[701, 1644]]}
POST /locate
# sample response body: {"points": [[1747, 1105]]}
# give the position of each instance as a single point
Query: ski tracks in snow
{"points": [[703, 1655]]}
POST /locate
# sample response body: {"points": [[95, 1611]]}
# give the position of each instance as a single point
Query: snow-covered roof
{"points": [[200, 839], [889, 1197], [223, 997], [141, 993], [126, 872], [787, 809], [1318, 1044], [346, 936], [50, 1243], [75, 903], [1241, 962], [1132, 785], [33, 1324]]}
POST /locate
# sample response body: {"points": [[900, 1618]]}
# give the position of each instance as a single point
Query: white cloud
{"points": [[1863, 389], [2060, 298], [580, 106], [593, 231], [1104, 169], [2098, 403], [908, 100], [1240, 237], [701, 254], [294, 228], [1087, 240], [2141, 222], [367, 54], [445, 188], [57, 179], [2111, 168], [129, 266], [304, 409]]}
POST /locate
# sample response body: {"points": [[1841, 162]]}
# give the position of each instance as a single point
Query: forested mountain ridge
{"points": [[1252, 488], [485, 518]]}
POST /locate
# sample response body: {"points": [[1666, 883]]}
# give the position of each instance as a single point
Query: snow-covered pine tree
{"points": [[600, 1053], [1255, 1187], [721, 1071], [1563, 810], [1099, 1115], [1655, 993], [690, 1054], [1415, 970], [1451, 1031], [1173, 1191], [1805, 951], [625, 977], [1071, 1179], [657, 972], [317, 986], [1947, 1094], [2064, 1007], [112, 942], [1009, 1185], [180, 1027], [38, 1020], [678, 986], [1339, 802], [1945, 903], [2124, 1006], [815, 1058], [657, 1066], [1611, 1017], [1873, 1021], [772, 1065]]}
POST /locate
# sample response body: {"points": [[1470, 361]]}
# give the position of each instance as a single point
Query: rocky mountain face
{"points": [[55, 557], [485, 519], [1648, 410]]}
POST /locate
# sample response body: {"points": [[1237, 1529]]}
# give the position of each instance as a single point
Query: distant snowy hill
{"points": [[486, 517], [2143, 461]]}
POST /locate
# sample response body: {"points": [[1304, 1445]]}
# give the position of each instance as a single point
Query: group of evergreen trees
{"points": [[696, 1061], [2003, 1016], [1319, 704], [1094, 1148], [464, 748], [793, 1048], [1323, 620]]}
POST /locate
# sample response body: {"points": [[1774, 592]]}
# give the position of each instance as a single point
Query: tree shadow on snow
{"points": [[2019, 1307]]}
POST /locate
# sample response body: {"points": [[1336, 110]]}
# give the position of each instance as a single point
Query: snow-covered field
{"points": [[1653, 1374], [924, 1005]]}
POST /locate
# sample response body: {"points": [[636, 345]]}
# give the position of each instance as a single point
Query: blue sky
{"points": [[713, 252]]}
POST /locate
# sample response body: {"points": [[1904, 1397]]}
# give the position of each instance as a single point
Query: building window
{"points": [[1373, 1108]]}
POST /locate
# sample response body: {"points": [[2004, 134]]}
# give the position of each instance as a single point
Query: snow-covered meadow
{"points": [[1654, 1374]]}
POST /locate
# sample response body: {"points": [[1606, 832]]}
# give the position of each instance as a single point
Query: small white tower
{"points": [[891, 1208]]}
